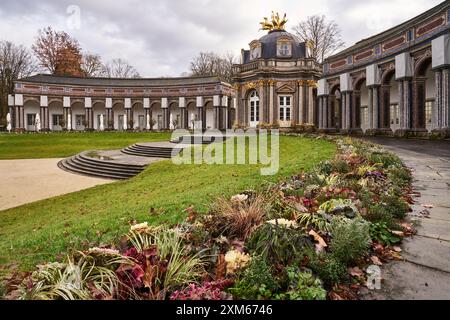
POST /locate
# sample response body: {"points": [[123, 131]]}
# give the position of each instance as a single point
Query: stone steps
{"points": [[197, 139], [150, 151], [81, 164]]}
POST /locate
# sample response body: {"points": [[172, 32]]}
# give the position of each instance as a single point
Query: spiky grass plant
{"points": [[177, 269], [239, 219], [85, 276]]}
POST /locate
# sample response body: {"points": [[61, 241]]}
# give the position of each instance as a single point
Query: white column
{"points": [[320, 115], [375, 106], [271, 91], [406, 104], [311, 105], [301, 104], [370, 108], [446, 98]]}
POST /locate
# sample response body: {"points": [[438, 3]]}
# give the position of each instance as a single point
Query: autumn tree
{"points": [[58, 52], [213, 64], [324, 36], [119, 68], [92, 65], [15, 62]]}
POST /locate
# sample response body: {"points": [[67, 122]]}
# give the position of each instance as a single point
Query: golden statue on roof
{"points": [[276, 23]]}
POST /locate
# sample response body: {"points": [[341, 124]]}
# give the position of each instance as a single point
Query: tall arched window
{"points": [[254, 109]]}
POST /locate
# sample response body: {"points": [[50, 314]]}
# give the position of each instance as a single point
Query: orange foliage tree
{"points": [[58, 52]]}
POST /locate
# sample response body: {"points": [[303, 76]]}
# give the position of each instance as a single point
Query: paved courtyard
{"points": [[425, 271], [25, 181]]}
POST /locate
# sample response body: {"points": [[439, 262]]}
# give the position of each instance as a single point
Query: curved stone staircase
{"points": [[143, 150], [82, 164], [193, 139]]}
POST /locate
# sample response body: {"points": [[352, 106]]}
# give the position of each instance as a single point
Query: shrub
{"points": [[340, 207], [302, 285], [400, 176], [395, 206], [380, 232], [378, 214], [341, 166], [324, 167], [351, 239], [387, 159], [280, 208], [279, 243], [327, 267], [239, 219], [256, 282], [315, 220]]}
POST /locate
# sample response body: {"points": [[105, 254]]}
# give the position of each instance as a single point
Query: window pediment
{"points": [[285, 89]]}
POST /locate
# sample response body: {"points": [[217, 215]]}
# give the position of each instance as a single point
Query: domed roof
{"points": [[269, 44]]}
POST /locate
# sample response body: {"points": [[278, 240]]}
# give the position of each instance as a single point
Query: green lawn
{"points": [[39, 231], [64, 144]]}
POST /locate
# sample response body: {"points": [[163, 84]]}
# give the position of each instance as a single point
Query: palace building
{"points": [[394, 83], [277, 80], [141, 104]]}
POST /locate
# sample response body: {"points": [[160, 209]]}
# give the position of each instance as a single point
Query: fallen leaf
{"points": [[428, 206], [318, 238], [355, 272], [397, 249], [376, 261], [398, 233]]}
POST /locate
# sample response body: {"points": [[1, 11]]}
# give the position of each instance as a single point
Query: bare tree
{"points": [[92, 65], [57, 52], [324, 36], [119, 68], [212, 64], [15, 62]]}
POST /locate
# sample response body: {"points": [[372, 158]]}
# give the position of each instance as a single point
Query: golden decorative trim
{"points": [[311, 83], [250, 85]]}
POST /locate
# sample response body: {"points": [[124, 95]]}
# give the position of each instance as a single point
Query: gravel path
{"points": [[25, 181]]}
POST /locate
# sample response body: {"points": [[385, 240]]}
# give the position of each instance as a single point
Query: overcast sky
{"points": [[160, 37]]}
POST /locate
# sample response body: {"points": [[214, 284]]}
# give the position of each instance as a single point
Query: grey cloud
{"points": [[160, 37]]}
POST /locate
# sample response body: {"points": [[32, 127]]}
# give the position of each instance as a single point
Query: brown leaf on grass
{"points": [[355, 272], [321, 243], [376, 261], [192, 214]]}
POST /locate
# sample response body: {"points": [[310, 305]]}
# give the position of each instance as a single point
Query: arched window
{"points": [[254, 108]]}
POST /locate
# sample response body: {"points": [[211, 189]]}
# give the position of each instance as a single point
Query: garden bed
{"points": [[315, 236]]}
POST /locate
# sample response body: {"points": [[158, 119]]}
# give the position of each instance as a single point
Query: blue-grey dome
{"points": [[269, 45]]}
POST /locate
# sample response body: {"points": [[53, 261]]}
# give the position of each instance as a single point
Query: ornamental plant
{"points": [[279, 244], [350, 238], [302, 285]]}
